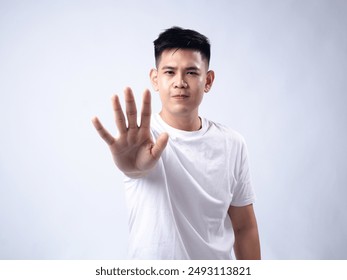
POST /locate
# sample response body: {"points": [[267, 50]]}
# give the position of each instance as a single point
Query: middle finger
{"points": [[130, 108]]}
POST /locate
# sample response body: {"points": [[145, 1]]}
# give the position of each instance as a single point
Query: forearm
{"points": [[247, 246]]}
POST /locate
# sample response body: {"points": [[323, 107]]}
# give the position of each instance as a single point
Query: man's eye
{"points": [[192, 73], [169, 72]]}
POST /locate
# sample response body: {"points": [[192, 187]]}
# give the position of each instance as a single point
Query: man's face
{"points": [[182, 78]]}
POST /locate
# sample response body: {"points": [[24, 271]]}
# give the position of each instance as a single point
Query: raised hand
{"points": [[134, 151]]}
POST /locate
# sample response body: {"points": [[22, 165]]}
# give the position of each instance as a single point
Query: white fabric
{"points": [[180, 209]]}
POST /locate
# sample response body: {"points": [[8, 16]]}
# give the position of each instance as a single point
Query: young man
{"points": [[187, 179]]}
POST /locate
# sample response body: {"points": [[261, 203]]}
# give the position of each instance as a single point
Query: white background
{"points": [[280, 81]]}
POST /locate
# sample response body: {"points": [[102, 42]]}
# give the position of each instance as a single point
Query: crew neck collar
{"points": [[176, 131]]}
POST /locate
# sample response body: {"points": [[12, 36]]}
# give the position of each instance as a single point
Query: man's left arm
{"points": [[247, 245]]}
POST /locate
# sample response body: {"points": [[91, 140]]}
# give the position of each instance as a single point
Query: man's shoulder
{"points": [[224, 131]]}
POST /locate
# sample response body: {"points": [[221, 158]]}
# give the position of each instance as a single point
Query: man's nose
{"points": [[180, 82]]}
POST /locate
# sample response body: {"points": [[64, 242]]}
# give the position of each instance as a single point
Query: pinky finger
{"points": [[104, 134]]}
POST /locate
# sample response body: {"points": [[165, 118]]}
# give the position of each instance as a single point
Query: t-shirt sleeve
{"points": [[243, 192]]}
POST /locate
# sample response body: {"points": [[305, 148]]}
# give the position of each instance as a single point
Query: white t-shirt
{"points": [[180, 209]]}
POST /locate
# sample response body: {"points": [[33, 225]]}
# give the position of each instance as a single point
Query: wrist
{"points": [[135, 175]]}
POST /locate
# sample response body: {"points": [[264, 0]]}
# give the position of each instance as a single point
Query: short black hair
{"points": [[179, 38]]}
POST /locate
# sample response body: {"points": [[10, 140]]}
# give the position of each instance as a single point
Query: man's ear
{"points": [[153, 75], [209, 80]]}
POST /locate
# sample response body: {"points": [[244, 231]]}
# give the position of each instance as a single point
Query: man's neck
{"points": [[190, 122]]}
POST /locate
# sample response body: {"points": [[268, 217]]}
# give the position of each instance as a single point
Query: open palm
{"points": [[134, 151]]}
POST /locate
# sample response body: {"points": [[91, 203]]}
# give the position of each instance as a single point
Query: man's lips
{"points": [[180, 97], [180, 94]]}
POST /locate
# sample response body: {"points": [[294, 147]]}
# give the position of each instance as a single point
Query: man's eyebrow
{"points": [[193, 68], [168, 68], [174, 68]]}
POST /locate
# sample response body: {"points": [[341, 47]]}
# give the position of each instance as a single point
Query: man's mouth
{"points": [[180, 97]]}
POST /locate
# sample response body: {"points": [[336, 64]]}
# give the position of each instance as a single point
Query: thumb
{"points": [[160, 145]]}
